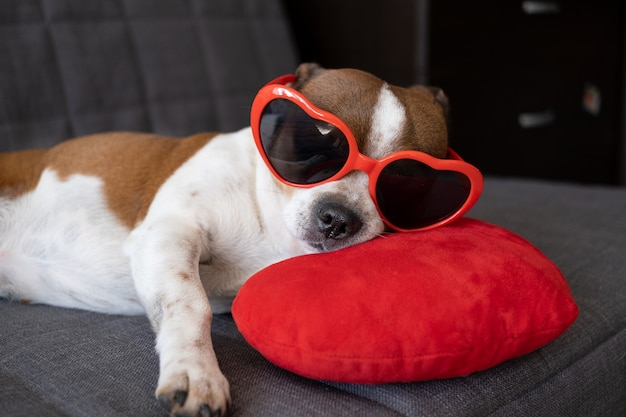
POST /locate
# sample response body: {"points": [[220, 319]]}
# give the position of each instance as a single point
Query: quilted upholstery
{"points": [[169, 66]]}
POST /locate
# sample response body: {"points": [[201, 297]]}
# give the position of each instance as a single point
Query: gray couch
{"points": [[71, 67]]}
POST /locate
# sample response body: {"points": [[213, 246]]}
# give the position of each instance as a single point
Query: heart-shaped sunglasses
{"points": [[304, 146]]}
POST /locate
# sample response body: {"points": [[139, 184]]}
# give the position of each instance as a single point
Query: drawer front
{"points": [[535, 124], [533, 85], [502, 34]]}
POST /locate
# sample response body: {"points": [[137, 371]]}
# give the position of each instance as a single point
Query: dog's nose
{"points": [[337, 222]]}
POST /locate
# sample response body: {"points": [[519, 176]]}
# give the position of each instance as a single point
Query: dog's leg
{"points": [[164, 259]]}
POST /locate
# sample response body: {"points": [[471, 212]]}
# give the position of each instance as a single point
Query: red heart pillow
{"points": [[407, 306]]}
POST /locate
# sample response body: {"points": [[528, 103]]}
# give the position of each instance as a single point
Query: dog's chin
{"points": [[317, 242], [329, 245]]}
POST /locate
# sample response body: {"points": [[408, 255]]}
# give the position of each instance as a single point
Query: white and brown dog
{"points": [[129, 223]]}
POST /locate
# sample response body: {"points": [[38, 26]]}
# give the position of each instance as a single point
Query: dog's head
{"points": [[383, 119]]}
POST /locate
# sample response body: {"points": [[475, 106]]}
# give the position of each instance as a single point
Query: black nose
{"points": [[337, 222]]}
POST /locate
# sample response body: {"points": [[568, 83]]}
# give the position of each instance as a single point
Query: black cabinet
{"points": [[536, 87]]}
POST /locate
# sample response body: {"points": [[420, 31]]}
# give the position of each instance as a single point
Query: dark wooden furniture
{"points": [[536, 87]]}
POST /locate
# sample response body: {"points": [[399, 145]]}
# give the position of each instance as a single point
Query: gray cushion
{"points": [[76, 363], [73, 67]]}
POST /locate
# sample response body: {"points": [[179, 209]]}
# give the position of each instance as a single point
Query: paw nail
{"points": [[166, 402], [180, 396], [205, 411]]}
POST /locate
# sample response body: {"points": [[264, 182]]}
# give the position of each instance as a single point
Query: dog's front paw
{"points": [[196, 392]]}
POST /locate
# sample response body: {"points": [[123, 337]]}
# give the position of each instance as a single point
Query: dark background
{"points": [[516, 74]]}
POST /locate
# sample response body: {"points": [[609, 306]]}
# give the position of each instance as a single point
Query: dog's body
{"points": [[140, 224]]}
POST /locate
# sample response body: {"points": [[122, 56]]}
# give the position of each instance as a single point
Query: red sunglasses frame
{"points": [[278, 89]]}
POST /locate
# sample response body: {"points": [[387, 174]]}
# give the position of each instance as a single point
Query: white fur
{"points": [[61, 245], [215, 222], [387, 124], [223, 215]]}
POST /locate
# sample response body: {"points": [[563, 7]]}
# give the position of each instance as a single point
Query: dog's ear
{"points": [[441, 99], [305, 72]]}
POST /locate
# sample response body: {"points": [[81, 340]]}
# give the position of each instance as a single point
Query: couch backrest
{"points": [[175, 67]]}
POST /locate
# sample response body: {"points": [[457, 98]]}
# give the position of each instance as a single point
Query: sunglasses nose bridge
{"points": [[364, 163], [368, 166]]}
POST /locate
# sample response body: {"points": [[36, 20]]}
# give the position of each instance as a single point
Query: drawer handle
{"points": [[541, 7], [536, 119]]}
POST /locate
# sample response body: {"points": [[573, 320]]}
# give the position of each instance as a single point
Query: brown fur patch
{"points": [[133, 166], [349, 94], [20, 172], [426, 129], [352, 95]]}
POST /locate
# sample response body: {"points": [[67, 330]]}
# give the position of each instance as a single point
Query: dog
{"points": [[130, 223]]}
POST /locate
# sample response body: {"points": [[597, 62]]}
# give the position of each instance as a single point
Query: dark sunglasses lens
{"points": [[301, 149], [412, 195]]}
